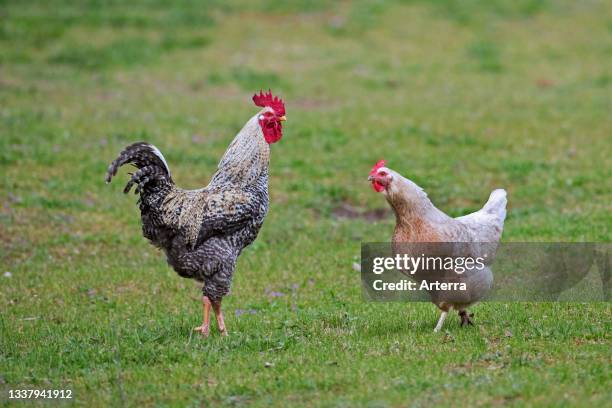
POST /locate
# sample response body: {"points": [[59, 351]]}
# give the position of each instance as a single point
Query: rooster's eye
{"points": [[382, 173]]}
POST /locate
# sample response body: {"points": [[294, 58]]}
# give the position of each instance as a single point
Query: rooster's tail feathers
{"points": [[149, 161], [143, 176], [497, 203]]}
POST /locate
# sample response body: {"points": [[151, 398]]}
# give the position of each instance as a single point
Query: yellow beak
{"points": [[282, 118]]}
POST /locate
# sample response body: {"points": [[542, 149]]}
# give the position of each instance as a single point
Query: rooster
{"points": [[419, 221], [203, 231]]}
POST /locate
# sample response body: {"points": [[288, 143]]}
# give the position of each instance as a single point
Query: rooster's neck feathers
{"points": [[246, 159]]}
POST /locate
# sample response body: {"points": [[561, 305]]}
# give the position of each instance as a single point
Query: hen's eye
{"points": [[382, 173]]}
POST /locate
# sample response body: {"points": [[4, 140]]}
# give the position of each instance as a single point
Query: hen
{"points": [[202, 232], [419, 221]]}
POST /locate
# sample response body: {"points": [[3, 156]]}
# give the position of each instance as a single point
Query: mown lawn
{"points": [[462, 97]]}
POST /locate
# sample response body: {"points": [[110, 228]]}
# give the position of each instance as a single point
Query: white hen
{"points": [[473, 235]]}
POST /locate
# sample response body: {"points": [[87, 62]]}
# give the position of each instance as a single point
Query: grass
{"points": [[462, 97]]}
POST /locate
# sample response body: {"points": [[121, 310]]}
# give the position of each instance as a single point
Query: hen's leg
{"points": [[465, 318], [440, 322], [205, 327], [219, 315]]}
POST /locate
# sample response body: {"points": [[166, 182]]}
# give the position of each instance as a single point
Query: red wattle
{"points": [[272, 130], [377, 186]]}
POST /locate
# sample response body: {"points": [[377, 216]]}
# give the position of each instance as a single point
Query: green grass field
{"points": [[462, 97]]}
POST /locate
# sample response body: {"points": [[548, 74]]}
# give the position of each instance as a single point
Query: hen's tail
{"points": [[497, 203], [153, 172]]}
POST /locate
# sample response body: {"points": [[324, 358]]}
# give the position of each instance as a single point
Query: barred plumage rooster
{"points": [[202, 232]]}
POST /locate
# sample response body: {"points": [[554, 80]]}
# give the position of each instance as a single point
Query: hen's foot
{"points": [[203, 329], [440, 322], [465, 318]]}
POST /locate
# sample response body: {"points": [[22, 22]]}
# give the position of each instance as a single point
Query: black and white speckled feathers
{"points": [[203, 231]]}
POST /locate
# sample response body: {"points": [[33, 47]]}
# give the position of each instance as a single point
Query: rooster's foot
{"points": [[465, 318], [203, 329], [216, 305]]}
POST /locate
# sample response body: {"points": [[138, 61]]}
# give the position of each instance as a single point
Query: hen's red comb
{"points": [[381, 163], [273, 102]]}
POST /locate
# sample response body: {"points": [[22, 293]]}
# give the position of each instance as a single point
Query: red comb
{"points": [[267, 99], [381, 163]]}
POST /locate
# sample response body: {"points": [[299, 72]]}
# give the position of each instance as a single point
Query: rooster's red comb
{"points": [[274, 102], [381, 163]]}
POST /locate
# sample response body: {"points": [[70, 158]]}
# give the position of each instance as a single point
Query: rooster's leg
{"points": [[205, 327], [219, 315], [465, 318], [441, 321]]}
